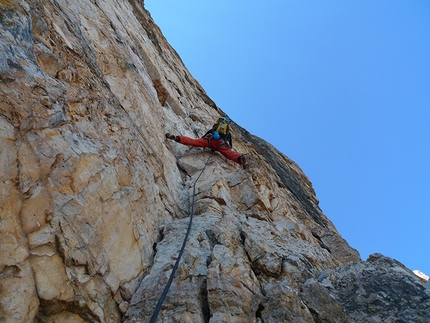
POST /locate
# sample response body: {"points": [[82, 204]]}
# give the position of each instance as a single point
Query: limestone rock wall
{"points": [[94, 203]]}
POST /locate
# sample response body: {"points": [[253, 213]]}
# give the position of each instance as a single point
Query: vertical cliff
{"points": [[94, 202]]}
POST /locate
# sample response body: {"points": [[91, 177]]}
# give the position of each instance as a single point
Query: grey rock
{"points": [[95, 202]]}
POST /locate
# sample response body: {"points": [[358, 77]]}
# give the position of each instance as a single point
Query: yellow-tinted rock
{"points": [[95, 202], [35, 209], [51, 279]]}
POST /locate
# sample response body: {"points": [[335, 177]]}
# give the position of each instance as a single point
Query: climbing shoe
{"points": [[172, 137], [243, 161]]}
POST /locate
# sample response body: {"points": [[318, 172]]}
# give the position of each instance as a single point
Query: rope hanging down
{"points": [[175, 267]]}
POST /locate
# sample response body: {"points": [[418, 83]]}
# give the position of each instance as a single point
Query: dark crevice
{"points": [[160, 237], [258, 313], [51, 307], [182, 170], [206, 311], [10, 271], [160, 234], [212, 238], [243, 238], [315, 315], [208, 260], [282, 265], [321, 243], [220, 201]]}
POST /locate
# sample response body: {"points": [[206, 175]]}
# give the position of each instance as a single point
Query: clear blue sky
{"points": [[341, 87]]}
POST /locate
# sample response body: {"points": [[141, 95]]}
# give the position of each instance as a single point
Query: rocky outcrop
{"points": [[378, 290], [94, 203]]}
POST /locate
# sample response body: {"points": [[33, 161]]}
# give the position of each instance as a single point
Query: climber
{"points": [[217, 139]]}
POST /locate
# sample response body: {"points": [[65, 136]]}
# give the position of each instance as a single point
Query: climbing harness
{"points": [[175, 267], [223, 143]]}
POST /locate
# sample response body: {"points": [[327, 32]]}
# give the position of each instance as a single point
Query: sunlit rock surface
{"points": [[95, 203]]}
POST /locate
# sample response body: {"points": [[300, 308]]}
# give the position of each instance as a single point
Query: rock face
{"points": [[95, 203]]}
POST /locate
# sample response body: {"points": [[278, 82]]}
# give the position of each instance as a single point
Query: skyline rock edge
{"points": [[95, 202]]}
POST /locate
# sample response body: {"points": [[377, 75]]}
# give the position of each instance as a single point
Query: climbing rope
{"points": [[175, 267]]}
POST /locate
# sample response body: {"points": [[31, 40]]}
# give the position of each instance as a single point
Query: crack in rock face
{"points": [[95, 202]]}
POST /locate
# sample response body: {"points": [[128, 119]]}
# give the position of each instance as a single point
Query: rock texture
{"points": [[94, 203]]}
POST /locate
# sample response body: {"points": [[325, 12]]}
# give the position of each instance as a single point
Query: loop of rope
{"points": [[175, 267]]}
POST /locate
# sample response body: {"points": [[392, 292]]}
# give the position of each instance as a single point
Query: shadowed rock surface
{"points": [[95, 203]]}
